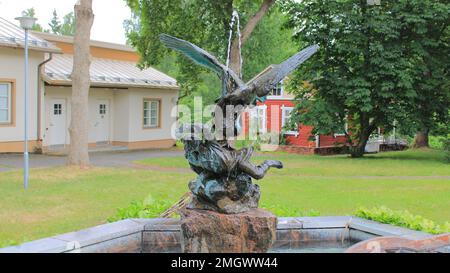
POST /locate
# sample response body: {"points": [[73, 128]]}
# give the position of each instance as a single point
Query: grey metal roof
{"points": [[107, 72], [13, 36]]}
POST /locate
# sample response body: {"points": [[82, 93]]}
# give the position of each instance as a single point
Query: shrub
{"points": [[436, 142], [403, 219], [446, 145], [149, 208], [8, 243]]}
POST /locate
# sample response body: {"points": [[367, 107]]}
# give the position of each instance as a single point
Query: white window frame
{"points": [[149, 111], [342, 134], [254, 114], [272, 97], [263, 116], [283, 123], [9, 98]]}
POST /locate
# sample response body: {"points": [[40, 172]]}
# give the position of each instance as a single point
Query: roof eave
{"points": [[40, 49], [110, 85]]}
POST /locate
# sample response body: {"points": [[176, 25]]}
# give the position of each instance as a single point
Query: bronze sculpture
{"points": [[224, 181]]}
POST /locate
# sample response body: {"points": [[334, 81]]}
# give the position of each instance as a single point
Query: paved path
{"points": [[101, 159]]}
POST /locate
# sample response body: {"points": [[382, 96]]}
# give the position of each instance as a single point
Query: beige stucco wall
{"points": [[126, 109], [64, 92], [168, 101], [121, 109], [12, 67]]}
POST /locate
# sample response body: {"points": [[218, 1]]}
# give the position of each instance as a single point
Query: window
{"points": [[5, 103], [278, 90], [102, 109], [261, 119], [258, 119], [342, 133], [57, 109], [285, 116], [151, 113]]}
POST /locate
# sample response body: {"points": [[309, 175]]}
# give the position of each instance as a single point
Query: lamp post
{"points": [[26, 23]]}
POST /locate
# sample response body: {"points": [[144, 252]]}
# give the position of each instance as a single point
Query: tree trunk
{"points": [[421, 139], [359, 149], [245, 34], [366, 130], [79, 125]]}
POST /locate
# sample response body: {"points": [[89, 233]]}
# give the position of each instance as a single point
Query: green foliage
{"points": [[6, 243], [371, 64], [67, 27], [55, 24], [205, 23], [149, 208], [446, 145], [402, 218], [436, 142]]}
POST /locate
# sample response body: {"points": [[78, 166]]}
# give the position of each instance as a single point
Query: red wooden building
{"points": [[271, 116]]}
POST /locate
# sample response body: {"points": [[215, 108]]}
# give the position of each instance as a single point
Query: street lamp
{"points": [[26, 23]]}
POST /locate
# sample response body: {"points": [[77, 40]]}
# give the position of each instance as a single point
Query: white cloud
{"points": [[108, 22]]}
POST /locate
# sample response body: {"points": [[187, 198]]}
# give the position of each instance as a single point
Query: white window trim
{"points": [[254, 115], [149, 126], [292, 132], [264, 118], [274, 97], [345, 128], [9, 94]]}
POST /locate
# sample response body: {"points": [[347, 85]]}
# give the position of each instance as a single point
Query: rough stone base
{"points": [[204, 231]]}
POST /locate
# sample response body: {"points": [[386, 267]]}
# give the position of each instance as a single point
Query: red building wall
{"points": [[304, 138]]}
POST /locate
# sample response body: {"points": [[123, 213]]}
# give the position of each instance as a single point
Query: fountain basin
{"points": [[326, 234]]}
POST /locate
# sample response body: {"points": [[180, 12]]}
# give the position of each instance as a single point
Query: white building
{"points": [[128, 107]]}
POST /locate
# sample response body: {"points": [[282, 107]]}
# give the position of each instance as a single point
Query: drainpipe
{"points": [[39, 95]]}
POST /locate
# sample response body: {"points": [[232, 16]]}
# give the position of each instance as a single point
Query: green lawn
{"points": [[67, 199]]}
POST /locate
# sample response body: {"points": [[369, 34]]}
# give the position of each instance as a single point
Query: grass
{"points": [[66, 199], [424, 162]]}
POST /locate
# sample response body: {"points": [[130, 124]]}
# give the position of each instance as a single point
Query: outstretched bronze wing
{"points": [[201, 57], [275, 73], [265, 81]]}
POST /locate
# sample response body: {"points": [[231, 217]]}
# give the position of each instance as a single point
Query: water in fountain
{"points": [[235, 18]]}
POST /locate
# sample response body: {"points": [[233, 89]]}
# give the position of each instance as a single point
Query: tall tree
{"points": [[205, 23], [68, 25], [430, 43], [79, 124], [365, 70], [55, 24]]}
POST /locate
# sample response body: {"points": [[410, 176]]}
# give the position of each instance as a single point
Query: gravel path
{"points": [[101, 159]]}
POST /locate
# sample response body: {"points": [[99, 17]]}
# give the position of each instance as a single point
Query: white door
{"points": [[58, 127], [102, 121]]}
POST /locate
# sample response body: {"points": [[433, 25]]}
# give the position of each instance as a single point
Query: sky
{"points": [[108, 21]]}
